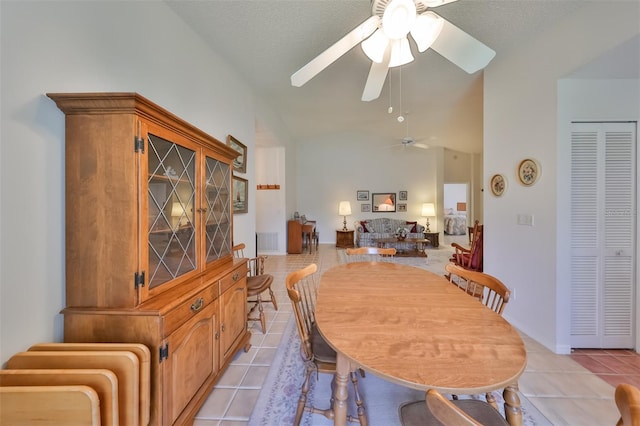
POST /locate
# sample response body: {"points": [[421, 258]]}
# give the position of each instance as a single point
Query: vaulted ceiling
{"points": [[267, 41]]}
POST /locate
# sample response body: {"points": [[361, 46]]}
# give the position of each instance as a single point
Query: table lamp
{"points": [[428, 210], [344, 209]]}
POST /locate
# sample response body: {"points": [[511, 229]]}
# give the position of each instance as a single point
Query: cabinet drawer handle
{"points": [[197, 305], [236, 275]]}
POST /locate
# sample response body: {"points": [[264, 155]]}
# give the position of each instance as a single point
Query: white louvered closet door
{"points": [[603, 206]]}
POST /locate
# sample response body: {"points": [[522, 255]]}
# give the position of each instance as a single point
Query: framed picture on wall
{"points": [[383, 202], [402, 196], [240, 195], [402, 207], [365, 208], [362, 195], [240, 162]]}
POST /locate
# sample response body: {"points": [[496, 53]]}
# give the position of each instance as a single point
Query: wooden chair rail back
{"points": [[446, 412], [488, 289], [627, 399], [302, 288], [370, 254]]}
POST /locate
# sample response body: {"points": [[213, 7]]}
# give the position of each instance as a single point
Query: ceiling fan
{"points": [[410, 142], [384, 39]]}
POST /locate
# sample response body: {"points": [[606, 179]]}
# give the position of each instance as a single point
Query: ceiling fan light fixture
{"points": [[400, 53], [426, 30], [375, 46], [398, 18]]}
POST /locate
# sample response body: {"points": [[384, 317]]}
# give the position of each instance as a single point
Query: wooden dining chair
{"points": [[318, 356], [438, 410], [370, 254], [628, 401], [257, 283], [489, 290], [486, 288]]}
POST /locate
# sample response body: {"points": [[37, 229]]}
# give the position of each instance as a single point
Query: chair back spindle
{"points": [[486, 288], [302, 288]]}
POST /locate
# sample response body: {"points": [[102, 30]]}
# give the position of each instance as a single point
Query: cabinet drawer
{"points": [[189, 308], [233, 277]]}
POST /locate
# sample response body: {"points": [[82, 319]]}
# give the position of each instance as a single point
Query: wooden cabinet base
{"points": [[344, 239]]}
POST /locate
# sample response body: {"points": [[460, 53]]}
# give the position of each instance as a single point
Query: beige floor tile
{"points": [[574, 412], [216, 403], [272, 340], [548, 362], [255, 377], [242, 404], [265, 356], [232, 376]]}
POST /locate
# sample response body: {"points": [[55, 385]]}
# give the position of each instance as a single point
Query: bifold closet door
{"points": [[603, 234]]}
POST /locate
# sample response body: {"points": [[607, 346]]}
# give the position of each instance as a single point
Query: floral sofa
{"points": [[367, 231]]}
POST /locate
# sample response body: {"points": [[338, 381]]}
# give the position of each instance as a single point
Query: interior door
{"points": [[603, 234]]}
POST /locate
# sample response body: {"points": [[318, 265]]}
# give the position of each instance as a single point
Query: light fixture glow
{"points": [[428, 210], [426, 30], [400, 53], [398, 18], [375, 46], [344, 209]]}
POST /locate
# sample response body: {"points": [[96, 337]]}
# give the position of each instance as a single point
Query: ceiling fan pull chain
{"points": [[400, 117]]}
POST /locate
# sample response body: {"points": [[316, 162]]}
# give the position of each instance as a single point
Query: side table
{"points": [[344, 239], [433, 238]]}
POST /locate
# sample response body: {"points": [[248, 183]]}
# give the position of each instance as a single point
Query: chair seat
{"points": [[321, 350], [258, 284], [418, 414]]}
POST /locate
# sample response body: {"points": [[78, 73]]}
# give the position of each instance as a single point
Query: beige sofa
{"points": [[368, 230]]}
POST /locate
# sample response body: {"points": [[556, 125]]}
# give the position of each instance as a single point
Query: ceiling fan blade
{"points": [[376, 78], [335, 51], [421, 145], [462, 49], [436, 3]]}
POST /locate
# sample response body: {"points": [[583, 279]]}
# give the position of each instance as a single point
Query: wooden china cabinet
{"points": [[148, 244]]}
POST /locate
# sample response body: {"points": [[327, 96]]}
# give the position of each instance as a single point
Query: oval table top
{"points": [[412, 327]]}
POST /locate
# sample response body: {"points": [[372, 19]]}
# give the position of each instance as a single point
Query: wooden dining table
{"points": [[414, 328]]}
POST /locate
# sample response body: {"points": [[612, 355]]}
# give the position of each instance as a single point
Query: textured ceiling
{"points": [[267, 41]]}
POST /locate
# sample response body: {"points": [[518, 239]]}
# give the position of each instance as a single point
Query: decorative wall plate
{"points": [[498, 185], [528, 171]]}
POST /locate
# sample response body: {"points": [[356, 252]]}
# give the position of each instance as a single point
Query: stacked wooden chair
{"points": [[56, 384], [627, 399]]}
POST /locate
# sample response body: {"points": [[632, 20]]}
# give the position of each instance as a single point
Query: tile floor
{"points": [[562, 387]]}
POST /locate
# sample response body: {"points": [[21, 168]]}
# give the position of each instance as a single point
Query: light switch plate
{"points": [[525, 219]]}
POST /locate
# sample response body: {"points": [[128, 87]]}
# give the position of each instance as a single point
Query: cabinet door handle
{"points": [[222, 327], [197, 305], [236, 275]]}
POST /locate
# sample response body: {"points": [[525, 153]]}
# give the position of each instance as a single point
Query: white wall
{"points": [[77, 47], [333, 169], [521, 121]]}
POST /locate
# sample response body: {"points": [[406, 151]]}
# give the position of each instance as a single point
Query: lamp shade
{"points": [[428, 210], [177, 210], [344, 209]]}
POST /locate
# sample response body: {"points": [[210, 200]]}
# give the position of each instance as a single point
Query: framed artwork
{"points": [[498, 185], [402, 207], [402, 196], [528, 171], [383, 202], [240, 162], [240, 195], [365, 207], [362, 195]]}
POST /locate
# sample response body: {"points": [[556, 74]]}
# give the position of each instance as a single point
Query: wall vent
{"points": [[267, 241]]}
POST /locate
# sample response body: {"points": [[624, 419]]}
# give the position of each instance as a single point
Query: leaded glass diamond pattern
{"points": [[172, 242], [217, 215]]}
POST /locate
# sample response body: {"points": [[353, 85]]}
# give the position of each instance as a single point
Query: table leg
{"points": [[343, 368], [512, 409]]}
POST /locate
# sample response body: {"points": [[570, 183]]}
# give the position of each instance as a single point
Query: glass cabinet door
{"points": [[217, 215], [172, 190]]}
